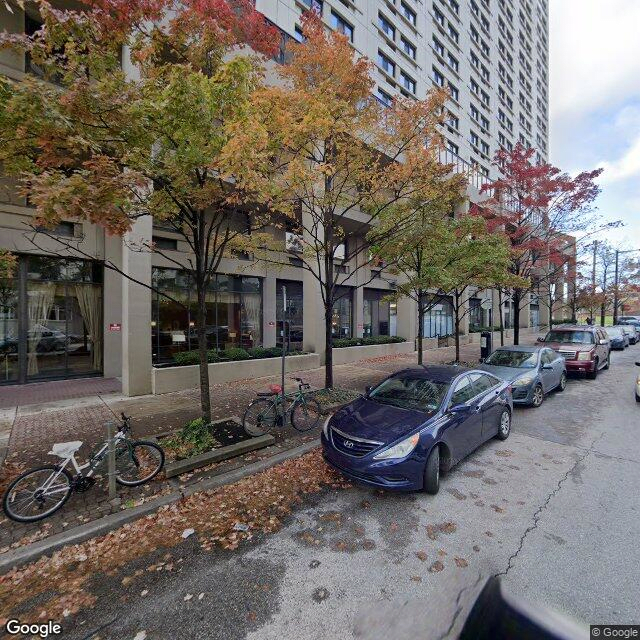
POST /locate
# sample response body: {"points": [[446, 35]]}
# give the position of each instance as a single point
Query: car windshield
{"points": [[410, 392], [570, 337], [517, 359], [614, 332], [627, 330]]}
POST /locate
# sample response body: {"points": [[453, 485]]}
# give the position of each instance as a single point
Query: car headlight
{"points": [[400, 450], [584, 355], [523, 381], [325, 427]]}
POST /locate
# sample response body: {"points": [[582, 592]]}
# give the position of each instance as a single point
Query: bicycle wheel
{"points": [[306, 415], [260, 417], [26, 499], [138, 462]]}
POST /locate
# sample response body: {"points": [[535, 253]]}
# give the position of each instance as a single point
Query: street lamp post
{"points": [[615, 284]]}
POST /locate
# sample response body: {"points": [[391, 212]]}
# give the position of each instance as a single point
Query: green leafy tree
{"points": [[90, 142]]}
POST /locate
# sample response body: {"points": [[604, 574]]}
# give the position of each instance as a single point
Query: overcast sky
{"points": [[595, 102]]}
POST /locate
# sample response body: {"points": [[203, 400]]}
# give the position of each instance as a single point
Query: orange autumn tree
{"points": [[108, 147], [341, 160]]}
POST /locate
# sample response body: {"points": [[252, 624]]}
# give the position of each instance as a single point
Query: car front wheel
{"points": [[592, 375], [432, 472], [504, 428], [562, 385], [538, 396]]}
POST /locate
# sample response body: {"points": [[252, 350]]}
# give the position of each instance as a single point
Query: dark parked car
{"points": [[416, 423], [630, 331], [585, 348], [618, 339], [532, 371], [628, 318]]}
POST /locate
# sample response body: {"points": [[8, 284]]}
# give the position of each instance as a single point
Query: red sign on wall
{"points": [[115, 326]]}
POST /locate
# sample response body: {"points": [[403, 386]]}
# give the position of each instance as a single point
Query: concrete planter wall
{"points": [[346, 355], [170, 379]]}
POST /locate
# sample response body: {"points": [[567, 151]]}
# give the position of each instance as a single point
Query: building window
{"points": [[438, 46], [408, 13], [438, 16], [384, 97], [453, 62], [234, 313], [453, 147], [341, 321], [387, 28], [408, 48], [165, 244], [453, 34], [289, 321], [438, 321], [386, 64], [377, 314], [408, 83], [454, 91], [438, 78], [341, 25]]}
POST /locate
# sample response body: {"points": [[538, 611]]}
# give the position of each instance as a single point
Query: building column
{"points": [[407, 319], [357, 300], [269, 311], [136, 309], [112, 317], [312, 307]]}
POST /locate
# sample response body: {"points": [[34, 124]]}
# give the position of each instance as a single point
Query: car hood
{"points": [[569, 346], [506, 373], [371, 420]]}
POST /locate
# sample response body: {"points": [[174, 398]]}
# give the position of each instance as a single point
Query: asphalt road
{"points": [[555, 510]]}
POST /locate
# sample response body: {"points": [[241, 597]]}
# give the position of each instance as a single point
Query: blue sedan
{"points": [[416, 423], [532, 371]]}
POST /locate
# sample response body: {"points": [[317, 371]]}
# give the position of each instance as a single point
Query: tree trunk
{"points": [[516, 316], [328, 339], [420, 327], [602, 314], [201, 329], [500, 318], [550, 310], [456, 312]]}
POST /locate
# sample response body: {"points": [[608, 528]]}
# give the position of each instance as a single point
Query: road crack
{"points": [[459, 607], [538, 513]]}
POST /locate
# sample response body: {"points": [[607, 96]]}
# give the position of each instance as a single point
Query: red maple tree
{"points": [[536, 205]]}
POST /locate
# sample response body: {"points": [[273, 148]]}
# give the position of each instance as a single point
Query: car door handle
{"points": [[476, 409]]}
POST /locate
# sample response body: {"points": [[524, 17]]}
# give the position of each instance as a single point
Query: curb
{"points": [[31, 552]]}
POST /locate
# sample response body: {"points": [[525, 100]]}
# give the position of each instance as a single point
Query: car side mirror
{"points": [[540, 339], [459, 408], [603, 342], [547, 366], [637, 364], [367, 390]]}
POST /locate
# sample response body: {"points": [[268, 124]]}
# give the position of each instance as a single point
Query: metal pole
{"points": [[284, 332], [615, 291], [111, 459]]}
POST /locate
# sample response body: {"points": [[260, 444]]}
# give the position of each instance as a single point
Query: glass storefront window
{"points": [[377, 314], [341, 323], [294, 314], [234, 313], [438, 321], [8, 330], [63, 317], [475, 313]]}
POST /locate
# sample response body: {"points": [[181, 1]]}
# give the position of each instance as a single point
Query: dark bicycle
{"points": [[271, 410], [38, 493]]}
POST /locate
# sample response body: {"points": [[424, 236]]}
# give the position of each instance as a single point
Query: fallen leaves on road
{"points": [[436, 567], [433, 530], [461, 562], [422, 555], [260, 501]]}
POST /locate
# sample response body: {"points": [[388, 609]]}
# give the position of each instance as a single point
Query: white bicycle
{"points": [[38, 493]]}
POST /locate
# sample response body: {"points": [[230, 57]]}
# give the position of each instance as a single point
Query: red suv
{"points": [[585, 349]]}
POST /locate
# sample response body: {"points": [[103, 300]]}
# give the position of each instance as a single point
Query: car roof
{"points": [[521, 347], [436, 372], [576, 327]]}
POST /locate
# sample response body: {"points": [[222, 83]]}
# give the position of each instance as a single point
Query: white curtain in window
{"points": [[252, 317], [40, 299], [90, 302]]}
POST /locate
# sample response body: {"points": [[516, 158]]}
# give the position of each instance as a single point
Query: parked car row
{"points": [[419, 422]]}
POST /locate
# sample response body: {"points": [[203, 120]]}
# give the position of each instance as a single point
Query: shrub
{"points": [[193, 357], [258, 352], [340, 343], [236, 353], [193, 439]]}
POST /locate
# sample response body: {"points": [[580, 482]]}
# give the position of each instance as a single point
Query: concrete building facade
{"points": [[67, 314]]}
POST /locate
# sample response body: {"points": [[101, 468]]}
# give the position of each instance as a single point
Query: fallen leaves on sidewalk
{"points": [[260, 502]]}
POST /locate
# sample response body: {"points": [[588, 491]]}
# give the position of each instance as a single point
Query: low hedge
{"points": [[233, 354], [477, 329], [340, 343]]}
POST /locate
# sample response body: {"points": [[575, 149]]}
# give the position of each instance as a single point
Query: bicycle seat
{"points": [[65, 449], [274, 389]]}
